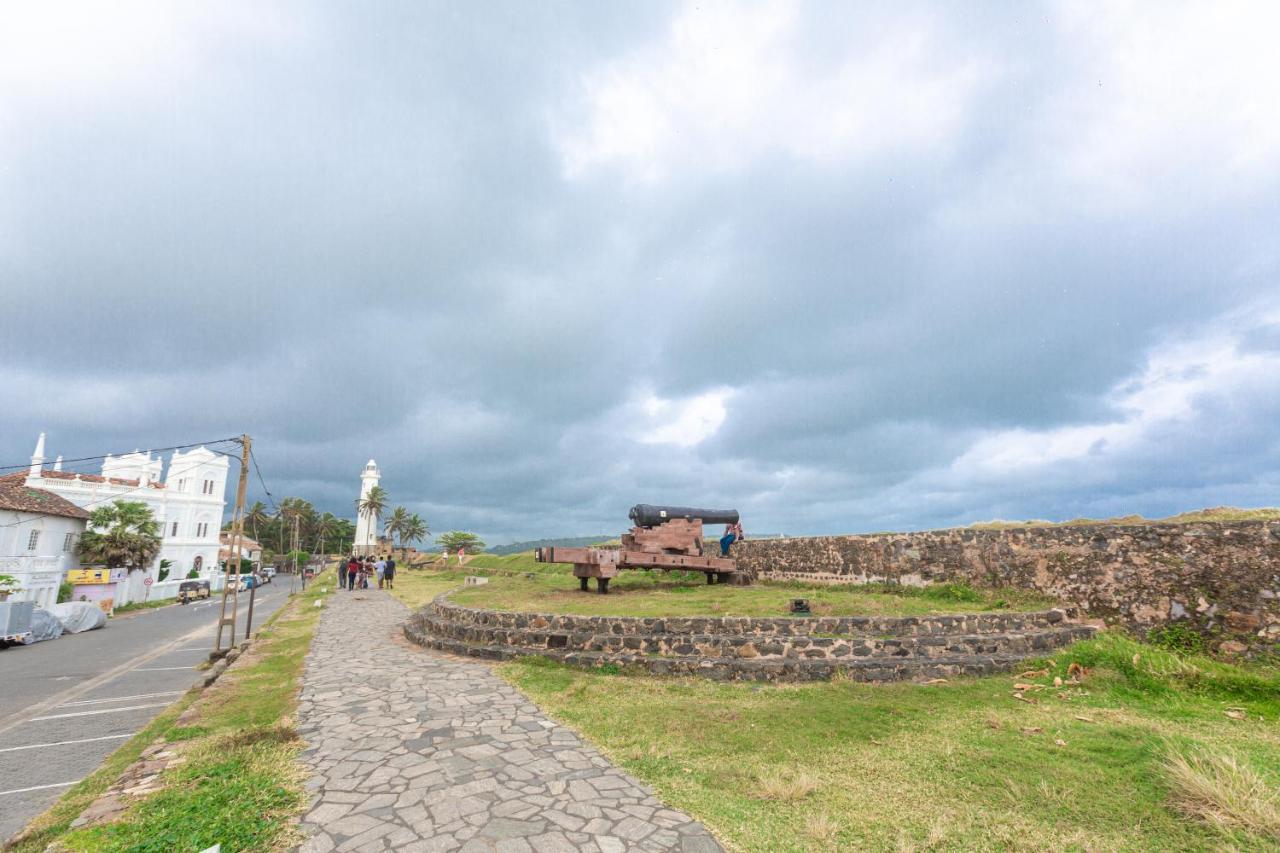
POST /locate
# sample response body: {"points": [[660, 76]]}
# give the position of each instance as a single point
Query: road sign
{"points": [[148, 582]]}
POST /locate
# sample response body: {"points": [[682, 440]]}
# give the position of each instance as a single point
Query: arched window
{"points": [[198, 563]]}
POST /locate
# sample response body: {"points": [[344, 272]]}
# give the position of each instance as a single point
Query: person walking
{"points": [[389, 572], [353, 568], [378, 568]]}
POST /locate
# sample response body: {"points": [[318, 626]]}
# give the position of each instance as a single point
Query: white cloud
{"points": [[1170, 392], [682, 422], [733, 83]]}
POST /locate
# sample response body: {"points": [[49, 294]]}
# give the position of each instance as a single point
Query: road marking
{"points": [[41, 787], [65, 742], [19, 717], [121, 698], [99, 711], [161, 668]]}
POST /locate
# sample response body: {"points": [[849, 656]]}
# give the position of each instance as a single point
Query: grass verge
{"points": [[240, 785], [965, 765], [135, 606]]}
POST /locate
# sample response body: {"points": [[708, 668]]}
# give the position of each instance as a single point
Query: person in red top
{"points": [[353, 566]]}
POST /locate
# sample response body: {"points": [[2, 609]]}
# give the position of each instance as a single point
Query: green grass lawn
{"points": [[1156, 753], [638, 593], [240, 786]]}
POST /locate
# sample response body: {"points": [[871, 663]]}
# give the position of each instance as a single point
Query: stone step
{"points": [[780, 626], [739, 669], [714, 645]]}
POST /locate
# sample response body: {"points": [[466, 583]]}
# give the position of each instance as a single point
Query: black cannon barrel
{"points": [[646, 515]]}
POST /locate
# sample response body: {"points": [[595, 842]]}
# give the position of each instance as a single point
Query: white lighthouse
{"points": [[367, 526]]}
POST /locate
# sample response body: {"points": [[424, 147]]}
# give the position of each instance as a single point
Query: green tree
{"points": [[371, 506], [455, 539], [414, 530], [122, 534], [257, 517], [394, 525], [292, 509], [325, 527]]}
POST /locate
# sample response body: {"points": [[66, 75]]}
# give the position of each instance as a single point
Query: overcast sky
{"points": [[845, 267]]}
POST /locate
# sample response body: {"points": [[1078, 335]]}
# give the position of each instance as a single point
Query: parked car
{"points": [[188, 590], [247, 582]]}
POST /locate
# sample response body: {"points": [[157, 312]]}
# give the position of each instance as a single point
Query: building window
{"points": [[182, 485], [33, 540], [67, 540], [202, 530], [173, 530], [198, 564]]}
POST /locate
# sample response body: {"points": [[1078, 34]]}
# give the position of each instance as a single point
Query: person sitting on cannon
{"points": [[732, 533]]}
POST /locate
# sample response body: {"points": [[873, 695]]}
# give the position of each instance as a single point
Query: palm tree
{"points": [[290, 509], [326, 526], [371, 506], [257, 515], [414, 530], [124, 533], [395, 524]]}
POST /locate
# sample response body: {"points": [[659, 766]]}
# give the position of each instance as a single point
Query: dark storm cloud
{"points": [[844, 268]]}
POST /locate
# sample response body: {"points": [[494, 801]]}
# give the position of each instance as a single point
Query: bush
{"points": [[65, 591], [193, 574]]}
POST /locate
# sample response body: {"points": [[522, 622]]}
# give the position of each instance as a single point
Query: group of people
{"points": [[356, 573]]}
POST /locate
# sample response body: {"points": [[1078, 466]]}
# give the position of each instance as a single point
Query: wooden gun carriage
{"points": [[664, 537]]}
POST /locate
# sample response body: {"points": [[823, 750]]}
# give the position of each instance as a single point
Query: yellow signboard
{"points": [[79, 576]]}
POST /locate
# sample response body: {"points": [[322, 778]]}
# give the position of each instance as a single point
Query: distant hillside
{"points": [[1220, 513], [565, 542]]}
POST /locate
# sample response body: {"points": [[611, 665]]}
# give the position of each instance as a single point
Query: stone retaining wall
{"points": [[1220, 577], [796, 648]]}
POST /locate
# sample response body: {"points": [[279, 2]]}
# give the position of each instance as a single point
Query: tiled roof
{"points": [[16, 495], [94, 478]]}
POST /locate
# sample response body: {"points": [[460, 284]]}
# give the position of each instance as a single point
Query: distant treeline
{"points": [[565, 542]]}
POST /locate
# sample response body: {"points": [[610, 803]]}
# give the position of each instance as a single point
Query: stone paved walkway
{"points": [[414, 751]]}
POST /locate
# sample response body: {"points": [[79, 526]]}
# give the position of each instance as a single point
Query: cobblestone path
{"points": [[414, 751]]}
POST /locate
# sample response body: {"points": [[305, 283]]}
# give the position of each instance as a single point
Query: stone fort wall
{"points": [[1220, 577]]}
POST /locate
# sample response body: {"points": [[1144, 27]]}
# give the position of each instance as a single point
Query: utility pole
{"points": [[231, 586]]}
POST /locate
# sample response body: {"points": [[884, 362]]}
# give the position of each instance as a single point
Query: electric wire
{"points": [[27, 464]]}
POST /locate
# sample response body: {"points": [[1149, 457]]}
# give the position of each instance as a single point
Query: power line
{"points": [[258, 471], [113, 497], [27, 464]]}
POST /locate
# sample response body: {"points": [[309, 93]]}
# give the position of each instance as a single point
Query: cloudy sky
{"points": [[845, 267]]}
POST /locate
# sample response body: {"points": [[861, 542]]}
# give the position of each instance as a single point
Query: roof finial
{"points": [[57, 463], [37, 458]]}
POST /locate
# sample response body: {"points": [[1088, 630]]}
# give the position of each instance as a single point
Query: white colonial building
{"points": [[38, 536], [367, 526], [188, 503]]}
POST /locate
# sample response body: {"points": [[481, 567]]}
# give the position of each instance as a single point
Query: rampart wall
{"points": [[1219, 577]]}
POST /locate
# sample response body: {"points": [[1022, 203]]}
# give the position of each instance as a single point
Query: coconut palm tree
{"points": [[257, 516], [290, 509], [123, 533], [414, 530], [395, 524], [326, 526], [371, 506]]}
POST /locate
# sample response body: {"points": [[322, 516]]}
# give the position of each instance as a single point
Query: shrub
{"points": [[65, 591], [193, 574]]}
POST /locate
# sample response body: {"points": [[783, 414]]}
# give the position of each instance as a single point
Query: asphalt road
{"points": [[66, 704]]}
